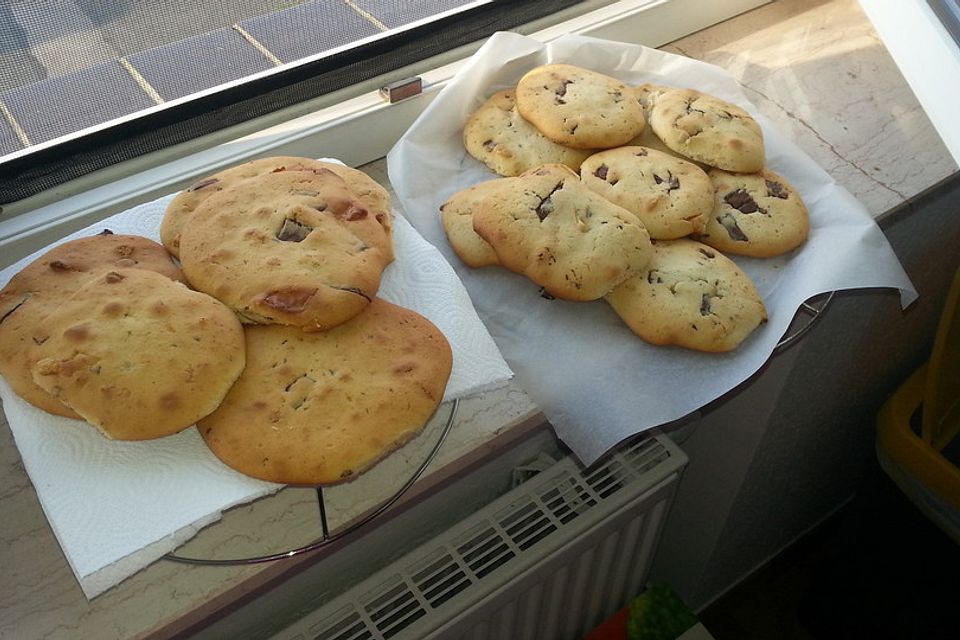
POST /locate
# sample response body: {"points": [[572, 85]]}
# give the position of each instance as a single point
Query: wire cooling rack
{"points": [[327, 536], [806, 317]]}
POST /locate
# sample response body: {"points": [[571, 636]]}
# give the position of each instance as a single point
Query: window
{"points": [[326, 99], [87, 83]]}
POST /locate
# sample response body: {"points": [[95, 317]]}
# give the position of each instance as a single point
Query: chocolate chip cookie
{"points": [[672, 197], [497, 135], [292, 247], [320, 408], [579, 108], [689, 295], [40, 287], [456, 214], [759, 214], [138, 355], [366, 190], [707, 129], [571, 241]]}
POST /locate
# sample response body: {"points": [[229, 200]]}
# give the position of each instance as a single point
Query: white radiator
{"points": [[550, 559]]}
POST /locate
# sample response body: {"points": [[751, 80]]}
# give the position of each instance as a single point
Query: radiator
{"points": [[550, 559]]}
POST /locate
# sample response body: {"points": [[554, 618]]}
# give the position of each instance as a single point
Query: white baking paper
{"points": [[115, 507], [594, 380]]}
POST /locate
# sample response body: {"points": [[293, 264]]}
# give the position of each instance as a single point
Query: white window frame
{"points": [[928, 58], [355, 124]]}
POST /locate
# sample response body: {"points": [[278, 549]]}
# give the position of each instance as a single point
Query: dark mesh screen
{"points": [[101, 82]]}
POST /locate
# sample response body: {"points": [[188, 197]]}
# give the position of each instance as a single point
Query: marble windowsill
{"points": [[819, 71], [816, 69]]}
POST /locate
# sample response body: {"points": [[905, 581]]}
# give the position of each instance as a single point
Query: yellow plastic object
{"points": [[915, 462]]}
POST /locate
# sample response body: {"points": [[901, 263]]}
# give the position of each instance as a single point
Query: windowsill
{"points": [[819, 73]]}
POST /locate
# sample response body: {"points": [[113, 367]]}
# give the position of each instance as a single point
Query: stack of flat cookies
{"points": [[336, 378], [268, 336], [104, 329], [633, 194]]}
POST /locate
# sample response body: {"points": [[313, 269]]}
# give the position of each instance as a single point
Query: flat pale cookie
{"points": [[707, 129], [759, 215], [672, 197], [578, 107], [138, 355], [43, 285], [321, 408], [374, 197], [692, 296], [456, 214], [498, 136], [293, 247], [571, 241]]}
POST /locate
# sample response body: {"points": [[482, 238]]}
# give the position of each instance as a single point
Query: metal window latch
{"points": [[402, 89]]}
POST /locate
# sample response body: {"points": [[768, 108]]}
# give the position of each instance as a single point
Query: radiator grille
{"points": [[550, 559]]}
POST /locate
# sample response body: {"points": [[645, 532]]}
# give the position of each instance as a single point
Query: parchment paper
{"points": [[595, 380]]}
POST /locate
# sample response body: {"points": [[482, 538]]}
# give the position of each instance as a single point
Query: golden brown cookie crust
{"points": [[44, 284], [321, 408], [690, 295], [572, 242], [293, 247], [707, 129], [579, 108], [456, 214], [497, 135], [138, 355], [759, 215], [670, 196], [373, 196]]}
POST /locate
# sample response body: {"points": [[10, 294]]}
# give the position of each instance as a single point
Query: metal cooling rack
{"points": [[806, 317], [327, 537]]}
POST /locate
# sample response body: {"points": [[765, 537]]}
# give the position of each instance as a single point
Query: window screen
{"points": [[88, 83]]}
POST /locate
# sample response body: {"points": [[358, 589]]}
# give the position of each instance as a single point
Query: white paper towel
{"points": [[595, 381], [115, 507]]}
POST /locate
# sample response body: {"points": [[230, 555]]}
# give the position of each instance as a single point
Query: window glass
{"points": [[67, 65]]}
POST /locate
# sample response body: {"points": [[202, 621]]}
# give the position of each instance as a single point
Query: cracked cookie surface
{"points": [[373, 196], [759, 215], [578, 107], [574, 243], [497, 135], [690, 295], [41, 286], [292, 247], [708, 130], [320, 408], [672, 197], [138, 355]]}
